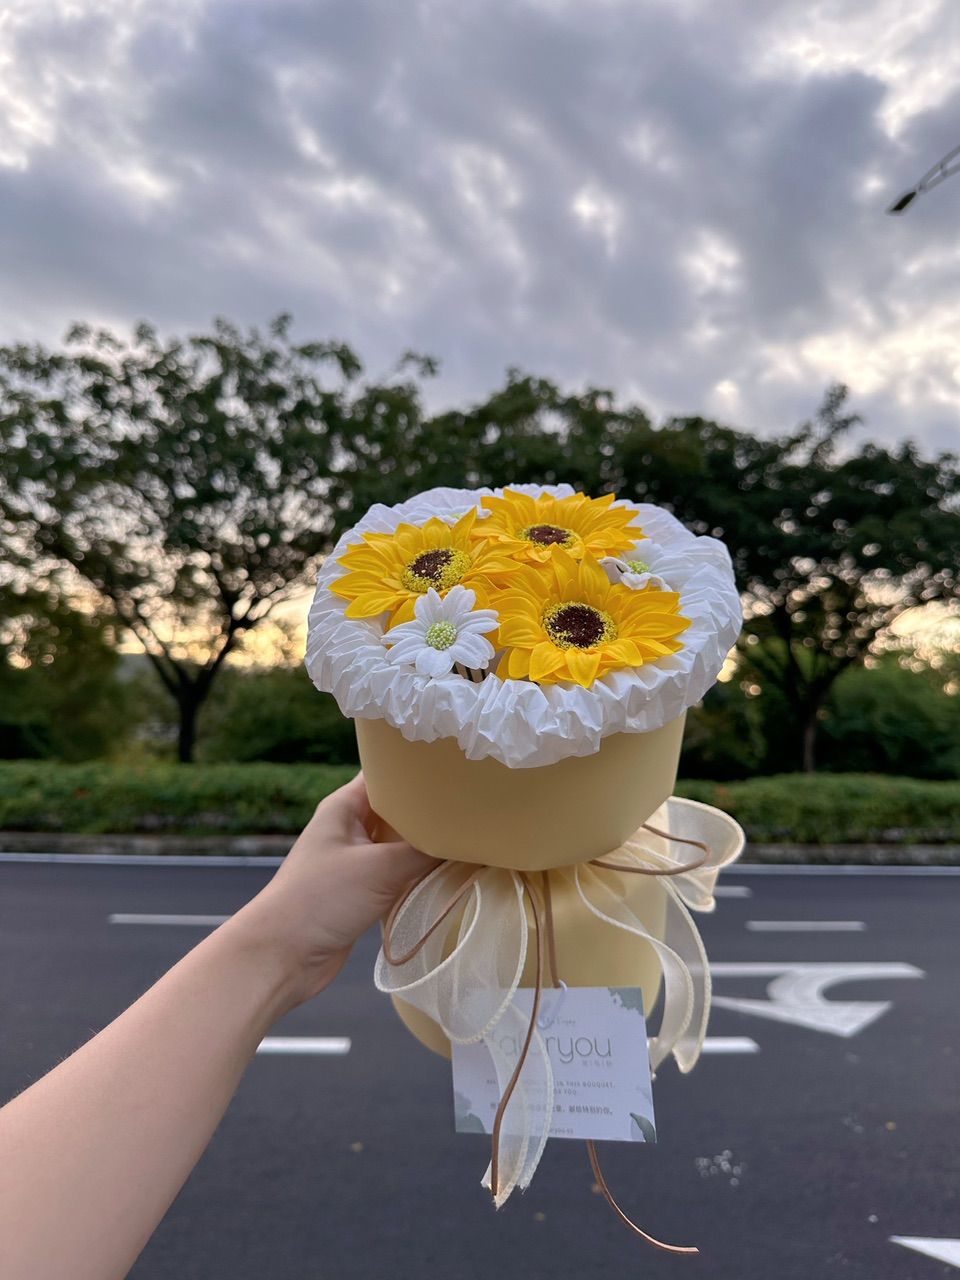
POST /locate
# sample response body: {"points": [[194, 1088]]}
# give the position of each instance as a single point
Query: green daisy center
{"points": [[441, 635], [638, 566], [441, 569], [573, 625], [548, 535]]}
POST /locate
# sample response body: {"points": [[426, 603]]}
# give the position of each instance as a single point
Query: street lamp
{"points": [[943, 169]]}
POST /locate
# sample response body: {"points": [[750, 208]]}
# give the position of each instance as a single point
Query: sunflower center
{"points": [[441, 635], [441, 568], [548, 535], [578, 626]]}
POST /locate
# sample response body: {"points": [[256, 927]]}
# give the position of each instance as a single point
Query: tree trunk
{"points": [[189, 705], [810, 742]]}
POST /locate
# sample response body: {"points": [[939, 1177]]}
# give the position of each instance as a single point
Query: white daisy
{"points": [[444, 631], [647, 565]]}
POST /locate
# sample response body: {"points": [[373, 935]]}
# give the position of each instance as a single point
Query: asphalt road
{"points": [[801, 1158]]}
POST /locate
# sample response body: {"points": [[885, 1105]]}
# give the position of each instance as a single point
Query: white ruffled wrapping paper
{"points": [[521, 724]]}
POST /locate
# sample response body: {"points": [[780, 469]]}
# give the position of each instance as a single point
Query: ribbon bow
{"points": [[465, 976]]}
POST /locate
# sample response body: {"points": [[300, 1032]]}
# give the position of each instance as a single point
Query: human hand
{"points": [[333, 884]]}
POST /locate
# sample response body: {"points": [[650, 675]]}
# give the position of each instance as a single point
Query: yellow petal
{"points": [[370, 605], [406, 610], [583, 666], [594, 579], [520, 632], [518, 663], [463, 529], [545, 659], [626, 651]]}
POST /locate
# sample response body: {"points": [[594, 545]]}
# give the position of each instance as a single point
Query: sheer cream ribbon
{"points": [[465, 975]]}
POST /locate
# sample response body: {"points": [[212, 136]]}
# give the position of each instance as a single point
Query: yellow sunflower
{"points": [[570, 622], [535, 529], [389, 572]]}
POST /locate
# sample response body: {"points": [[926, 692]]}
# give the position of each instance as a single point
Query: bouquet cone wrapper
{"points": [[550, 806]]}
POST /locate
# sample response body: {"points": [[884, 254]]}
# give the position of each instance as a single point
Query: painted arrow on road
{"points": [[941, 1250], [796, 994]]}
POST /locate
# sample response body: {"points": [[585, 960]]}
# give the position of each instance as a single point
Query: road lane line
{"points": [[335, 1045], [121, 917], [730, 1044], [732, 891], [943, 1250], [806, 926]]}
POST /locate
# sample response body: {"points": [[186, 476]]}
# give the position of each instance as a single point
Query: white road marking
{"points": [[806, 926], [796, 994], [942, 1250], [120, 917], [732, 891], [305, 1044], [730, 1044]]}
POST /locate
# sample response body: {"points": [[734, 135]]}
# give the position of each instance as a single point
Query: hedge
{"points": [[275, 798], [838, 808], [178, 799]]}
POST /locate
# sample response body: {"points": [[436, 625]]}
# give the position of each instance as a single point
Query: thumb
{"points": [[395, 863]]}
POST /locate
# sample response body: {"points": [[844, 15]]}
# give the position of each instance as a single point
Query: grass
{"points": [[207, 799], [242, 799]]}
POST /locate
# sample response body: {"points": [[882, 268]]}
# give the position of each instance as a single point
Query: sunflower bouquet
{"points": [[564, 593], [519, 663]]}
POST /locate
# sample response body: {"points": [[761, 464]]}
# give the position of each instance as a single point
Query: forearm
{"points": [[92, 1155]]}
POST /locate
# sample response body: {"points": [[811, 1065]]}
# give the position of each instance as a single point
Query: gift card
{"points": [[596, 1040]]}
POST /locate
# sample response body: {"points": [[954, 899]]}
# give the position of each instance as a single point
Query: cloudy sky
{"points": [[677, 198]]}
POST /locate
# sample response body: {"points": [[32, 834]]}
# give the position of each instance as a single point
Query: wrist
{"points": [[284, 975], [263, 964]]}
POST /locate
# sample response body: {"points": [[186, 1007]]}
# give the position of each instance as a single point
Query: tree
{"points": [[61, 692], [831, 540], [276, 715], [891, 719], [187, 487]]}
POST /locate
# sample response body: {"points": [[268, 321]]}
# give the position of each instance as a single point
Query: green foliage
{"points": [[837, 808], [724, 736], [884, 719], [891, 720], [251, 798], [61, 695], [191, 485], [174, 798], [276, 715]]}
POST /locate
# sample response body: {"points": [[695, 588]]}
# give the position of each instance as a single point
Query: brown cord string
{"points": [[607, 1194], [658, 871], [591, 1146], [545, 938], [401, 903]]}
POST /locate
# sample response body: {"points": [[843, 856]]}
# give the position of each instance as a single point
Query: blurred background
{"points": [[266, 265]]}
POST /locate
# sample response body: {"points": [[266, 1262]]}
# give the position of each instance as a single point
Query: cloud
{"points": [[683, 201]]}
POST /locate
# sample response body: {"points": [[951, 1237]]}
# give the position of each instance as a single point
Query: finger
{"points": [[398, 863], [344, 808]]}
